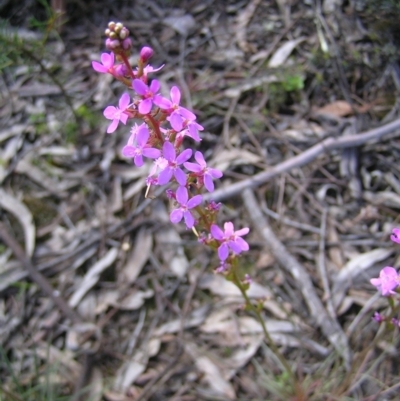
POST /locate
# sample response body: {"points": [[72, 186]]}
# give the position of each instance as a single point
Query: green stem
{"points": [[271, 343]]}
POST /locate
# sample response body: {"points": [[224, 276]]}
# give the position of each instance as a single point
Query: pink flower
{"points": [[117, 114], [147, 92], [223, 267], [159, 164], [230, 239], [173, 108], [185, 204], [387, 282], [173, 168], [107, 64], [189, 126], [395, 237], [141, 149], [148, 69], [378, 317], [207, 174]]}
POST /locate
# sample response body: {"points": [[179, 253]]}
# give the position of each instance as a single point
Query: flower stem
{"points": [[236, 280], [128, 66], [155, 125]]}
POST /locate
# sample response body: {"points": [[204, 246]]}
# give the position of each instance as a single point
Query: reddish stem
{"points": [[126, 62], [155, 126]]}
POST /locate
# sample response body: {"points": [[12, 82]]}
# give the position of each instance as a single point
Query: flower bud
{"points": [[112, 44], [124, 33], [118, 27], [146, 53], [127, 44], [378, 317], [111, 25], [121, 71]]}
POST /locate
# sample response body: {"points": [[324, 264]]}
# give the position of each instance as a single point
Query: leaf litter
{"points": [[258, 73]]}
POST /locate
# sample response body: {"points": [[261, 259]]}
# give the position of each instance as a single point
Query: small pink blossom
{"points": [[213, 206], [107, 64], [174, 162], [149, 69], [185, 204], [206, 174], [378, 317], [160, 164], [147, 93], [223, 267], [189, 126], [229, 239], [172, 107], [387, 282], [141, 149], [395, 237], [117, 114]]}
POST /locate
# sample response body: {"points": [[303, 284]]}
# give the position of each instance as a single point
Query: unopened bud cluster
{"points": [[117, 37]]}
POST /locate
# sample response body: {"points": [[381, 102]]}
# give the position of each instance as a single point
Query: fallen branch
{"points": [[327, 324], [303, 158]]}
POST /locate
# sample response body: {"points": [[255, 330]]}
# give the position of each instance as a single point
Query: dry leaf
{"points": [[281, 55], [134, 367], [354, 268], [242, 356], [183, 24], [95, 385], [361, 262], [387, 198], [105, 298], [218, 285], [195, 319], [138, 257], [339, 108], [212, 373], [79, 334], [235, 157], [250, 84], [92, 276], [245, 325], [243, 19], [23, 215], [134, 300], [37, 175], [334, 252]]}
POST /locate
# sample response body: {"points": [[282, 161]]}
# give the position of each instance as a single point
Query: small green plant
{"points": [[293, 83], [286, 90]]}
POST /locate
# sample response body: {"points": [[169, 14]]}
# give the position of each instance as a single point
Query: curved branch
{"points": [[303, 158]]}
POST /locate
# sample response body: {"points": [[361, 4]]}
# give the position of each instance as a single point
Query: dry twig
{"points": [[305, 157], [328, 325]]}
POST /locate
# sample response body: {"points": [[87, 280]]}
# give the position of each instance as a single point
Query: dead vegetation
{"points": [[102, 298]]}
